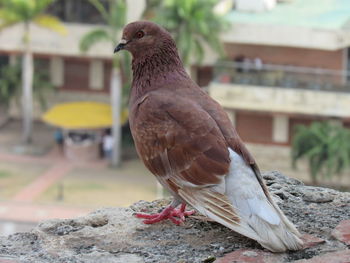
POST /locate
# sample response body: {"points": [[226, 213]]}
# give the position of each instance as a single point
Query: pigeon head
{"points": [[144, 38]]}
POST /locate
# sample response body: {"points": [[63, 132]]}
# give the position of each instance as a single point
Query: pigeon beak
{"points": [[121, 45]]}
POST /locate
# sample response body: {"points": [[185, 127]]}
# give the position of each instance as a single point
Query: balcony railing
{"points": [[281, 76]]}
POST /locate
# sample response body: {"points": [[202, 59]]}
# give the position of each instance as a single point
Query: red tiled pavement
{"points": [[29, 212], [39, 185], [332, 257], [22, 158], [342, 231]]}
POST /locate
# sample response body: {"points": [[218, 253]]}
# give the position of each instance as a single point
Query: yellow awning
{"points": [[82, 115]]}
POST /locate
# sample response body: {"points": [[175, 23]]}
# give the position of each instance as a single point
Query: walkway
{"points": [[33, 190], [22, 209]]}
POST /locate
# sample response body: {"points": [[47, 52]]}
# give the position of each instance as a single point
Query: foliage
{"points": [[25, 11], [192, 23], [326, 147], [94, 37], [42, 86], [115, 18], [10, 81], [10, 84]]}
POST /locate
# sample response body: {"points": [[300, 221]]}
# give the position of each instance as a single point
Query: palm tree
{"points": [[26, 12], [193, 24], [326, 147], [115, 18]]}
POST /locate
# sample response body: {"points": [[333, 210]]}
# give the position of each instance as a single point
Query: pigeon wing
{"points": [[182, 145]]}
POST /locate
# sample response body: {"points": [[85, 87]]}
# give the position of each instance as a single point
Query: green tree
{"points": [[115, 19], [325, 146], [26, 12], [193, 24], [10, 83]]}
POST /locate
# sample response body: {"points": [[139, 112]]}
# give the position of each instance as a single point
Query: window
{"points": [[96, 75], [57, 71], [76, 72]]}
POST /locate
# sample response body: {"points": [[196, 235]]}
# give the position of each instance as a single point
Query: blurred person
{"points": [[258, 64], [239, 60], [107, 144], [59, 139], [247, 65]]}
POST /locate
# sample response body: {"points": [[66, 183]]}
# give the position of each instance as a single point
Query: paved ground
{"points": [[25, 204], [34, 189]]}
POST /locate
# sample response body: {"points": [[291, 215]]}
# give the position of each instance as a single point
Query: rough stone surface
{"points": [[112, 235], [342, 232]]}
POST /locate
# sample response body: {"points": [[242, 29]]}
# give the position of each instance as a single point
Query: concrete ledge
{"points": [[112, 235]]}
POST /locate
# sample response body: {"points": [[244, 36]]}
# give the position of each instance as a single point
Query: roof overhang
{"points": [[282, 100], [48, 42], [287, 36]]}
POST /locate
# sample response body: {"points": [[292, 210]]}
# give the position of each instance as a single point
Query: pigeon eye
{"points": [[140, 34]]}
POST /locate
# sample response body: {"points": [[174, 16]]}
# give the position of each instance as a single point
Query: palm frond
{"points": [[192, 24], [8, 18], [326, 147], [50, 22], [93, 37], [40, 6], [117, 14], [199, 50], [101, 9]]}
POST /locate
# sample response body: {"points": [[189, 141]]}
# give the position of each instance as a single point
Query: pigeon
{"points": [[187, 141]]}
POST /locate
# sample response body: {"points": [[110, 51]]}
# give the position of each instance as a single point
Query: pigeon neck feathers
{"points": [[157, 68]]}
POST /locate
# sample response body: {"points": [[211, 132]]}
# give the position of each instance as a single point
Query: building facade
{"points": [[286, 64], [76, 75], [285, 67]]}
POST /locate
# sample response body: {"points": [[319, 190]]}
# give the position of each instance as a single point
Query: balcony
{"points": [[281, 76], [278, 89]]}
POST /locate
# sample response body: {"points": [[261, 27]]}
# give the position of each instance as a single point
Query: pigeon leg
{"points": [[170, 212], [181, 212]]}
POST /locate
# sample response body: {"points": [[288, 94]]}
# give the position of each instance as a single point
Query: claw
{"points": [[169, 212]]}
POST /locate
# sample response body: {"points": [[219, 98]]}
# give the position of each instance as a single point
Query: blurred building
{"points": [[286, 66], [76, 75], [287, 62]]}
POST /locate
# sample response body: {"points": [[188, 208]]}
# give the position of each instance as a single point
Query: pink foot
{"points": [[168, 213]]}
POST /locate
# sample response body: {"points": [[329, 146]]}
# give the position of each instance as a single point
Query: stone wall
{"points": [[112, 235]]}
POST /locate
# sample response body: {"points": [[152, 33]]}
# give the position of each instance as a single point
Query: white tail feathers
{"points": [[260, 217], [241, 204]]}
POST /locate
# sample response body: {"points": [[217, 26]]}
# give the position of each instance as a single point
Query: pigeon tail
{"points": [[260, 218], [240, 203]]}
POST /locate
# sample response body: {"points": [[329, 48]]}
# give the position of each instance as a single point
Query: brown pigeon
{"points": [[187, 141]]}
